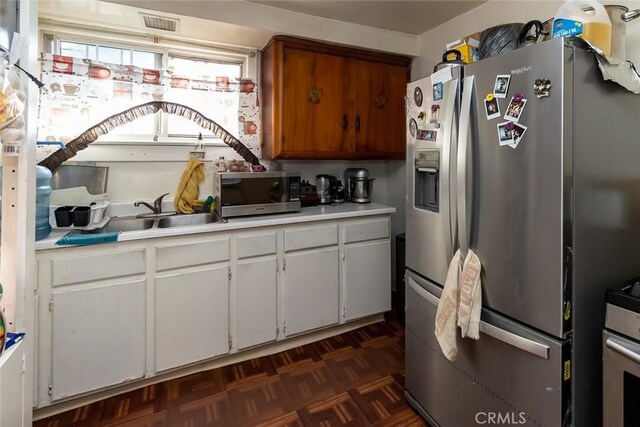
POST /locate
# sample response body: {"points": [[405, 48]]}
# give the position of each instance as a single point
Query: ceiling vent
{"points": [[160, 22]]}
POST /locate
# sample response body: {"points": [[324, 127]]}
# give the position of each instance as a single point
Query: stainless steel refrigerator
{"points": [[551, 206]]}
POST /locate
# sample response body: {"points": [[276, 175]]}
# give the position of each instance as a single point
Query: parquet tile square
{"points": [[370, 334], [247, 371], [212, 411], [387, 356], [287, 420], [295, 357], [380, 399], [196, 385], [259, 400], [334, 345], [310, 383], [352, 368], [353, 379], [338, 410]]}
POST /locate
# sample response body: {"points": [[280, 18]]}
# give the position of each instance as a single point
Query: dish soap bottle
{"points": [[587, 19]]}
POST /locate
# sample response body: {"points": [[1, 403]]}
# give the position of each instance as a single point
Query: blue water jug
{"points": [[43, 192]]}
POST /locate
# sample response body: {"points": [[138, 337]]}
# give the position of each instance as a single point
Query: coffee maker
{"points": [[358, 185], [327, 185]]}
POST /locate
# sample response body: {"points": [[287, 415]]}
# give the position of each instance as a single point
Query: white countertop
{"points": [[309, 214]]}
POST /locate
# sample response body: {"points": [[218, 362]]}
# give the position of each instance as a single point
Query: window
{"points": [[200, 69]]}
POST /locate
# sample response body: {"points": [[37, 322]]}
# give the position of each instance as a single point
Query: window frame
{"points": [[52, 35]]}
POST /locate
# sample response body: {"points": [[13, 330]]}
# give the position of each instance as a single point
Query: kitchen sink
{"points": [[123, 224], [184, 220]]}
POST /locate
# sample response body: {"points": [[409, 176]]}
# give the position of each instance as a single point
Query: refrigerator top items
{"points": [[531, 33], [446, 62], [499, 39]]}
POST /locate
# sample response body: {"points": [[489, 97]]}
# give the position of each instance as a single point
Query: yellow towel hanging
{"points": [[189, 188]]}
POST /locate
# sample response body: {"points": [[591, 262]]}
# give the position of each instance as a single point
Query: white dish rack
{"points": [[97, 218]]}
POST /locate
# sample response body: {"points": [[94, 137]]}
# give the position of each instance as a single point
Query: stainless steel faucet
{"points": [[157, 204]]}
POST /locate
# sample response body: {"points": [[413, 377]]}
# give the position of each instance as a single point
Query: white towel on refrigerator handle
{"points": [[470, 303], [445, 327]]}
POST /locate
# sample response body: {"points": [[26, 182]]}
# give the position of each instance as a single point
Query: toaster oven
{"points": [[253, 193]]}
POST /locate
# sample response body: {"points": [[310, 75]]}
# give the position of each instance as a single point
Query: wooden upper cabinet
{"points": [[323, 101], [380, 109], [317, 101]]}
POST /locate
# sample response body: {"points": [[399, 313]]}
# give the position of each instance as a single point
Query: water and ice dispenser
{"points": [[427, 179]]}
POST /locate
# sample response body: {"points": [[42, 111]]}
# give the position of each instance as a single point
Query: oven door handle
{"points": [[622, 349], [525, 344]]}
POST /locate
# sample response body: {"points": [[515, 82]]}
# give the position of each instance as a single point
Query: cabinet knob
{"points": [[358, 122], [315, 93], [379, 101]]}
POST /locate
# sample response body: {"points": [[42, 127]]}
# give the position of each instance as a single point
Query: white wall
{"points": [[239, 23]]}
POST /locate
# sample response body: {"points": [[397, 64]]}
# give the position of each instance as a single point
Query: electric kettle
{"points": [[326, 185]]}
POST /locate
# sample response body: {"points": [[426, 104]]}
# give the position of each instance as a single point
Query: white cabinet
{"points": [[311, 289], [12, 386], [257, 301], [113, 313], [98, 337], [367, 279], [366, 267], [257, 295], [191, 316]]}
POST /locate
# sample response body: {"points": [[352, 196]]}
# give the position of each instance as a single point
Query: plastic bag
{"points": [[499, 39], [12, 98]]}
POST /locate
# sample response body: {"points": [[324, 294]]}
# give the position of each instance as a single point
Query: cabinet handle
{"points": [[315, 94], [345, 122], [358, 122]]}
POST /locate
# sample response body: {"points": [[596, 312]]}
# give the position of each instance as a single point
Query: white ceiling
{"points": [[412, 17]]}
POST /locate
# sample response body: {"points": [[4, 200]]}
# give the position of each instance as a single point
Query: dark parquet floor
{"points": [[353, 379]]}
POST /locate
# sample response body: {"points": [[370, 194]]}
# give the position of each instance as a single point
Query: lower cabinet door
{"points": [[311, 289], [367, 279], [257, 319], [192, 316], [98, 337]]}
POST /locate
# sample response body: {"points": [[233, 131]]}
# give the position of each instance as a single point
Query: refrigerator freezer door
{"points": [[513, 197], [431, 154], [511, 372]]}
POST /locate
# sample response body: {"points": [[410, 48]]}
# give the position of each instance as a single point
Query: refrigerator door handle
{"points": [[515, 340], [445, 191], [619, 347], [468, 90], [507, 337]]}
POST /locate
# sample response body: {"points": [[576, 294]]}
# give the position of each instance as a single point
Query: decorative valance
{"points": [[80, 93]]}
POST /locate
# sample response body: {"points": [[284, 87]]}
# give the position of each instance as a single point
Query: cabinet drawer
{"points": [[191, 254], [98, 267], [367, 230], [306, 238], [256, 245]]}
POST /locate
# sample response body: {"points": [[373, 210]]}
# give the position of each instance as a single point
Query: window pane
{"points": [[92, 52], [76, 50], [145, 59], [222, 107], [110, 55], [208, 70]]}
